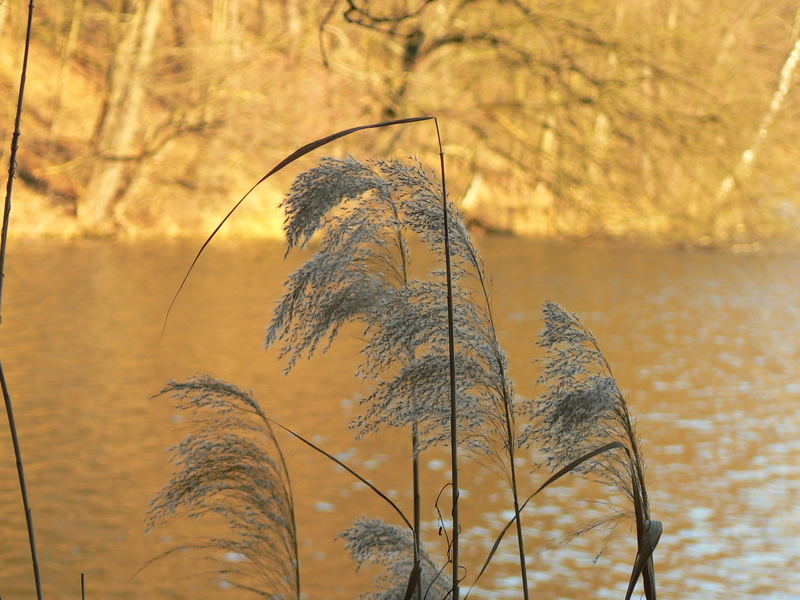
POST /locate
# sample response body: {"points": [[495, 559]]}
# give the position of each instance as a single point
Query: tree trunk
{"points": [[67, 53], [294, 27], [180, 15], [3, 17], [120, 122], [744, 166]]}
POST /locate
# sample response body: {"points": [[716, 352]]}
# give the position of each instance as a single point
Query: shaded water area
{"points": [[706, 346]]}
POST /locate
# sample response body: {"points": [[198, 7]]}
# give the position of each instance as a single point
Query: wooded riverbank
{"points": [[674, 123]]}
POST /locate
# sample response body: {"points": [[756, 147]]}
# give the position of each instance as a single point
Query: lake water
{"points": [[706, 347]]}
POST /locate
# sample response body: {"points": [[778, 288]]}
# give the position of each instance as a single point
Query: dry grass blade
{"points": [[362, 479], [413, 581], [300, 152], [644, 560], [552, 479]]}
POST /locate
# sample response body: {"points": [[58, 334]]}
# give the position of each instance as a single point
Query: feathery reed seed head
{"points": [[231, 466], [368, 216], [371, 541]]}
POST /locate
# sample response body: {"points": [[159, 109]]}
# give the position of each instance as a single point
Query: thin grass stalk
{"points": [[12, 160], [22, 486], [417, 501], [12, 169], [523, 569], [511, 443], [641, 504], [508, 416], [642, 512], [451, 347], [402, 250], [293, 514]]}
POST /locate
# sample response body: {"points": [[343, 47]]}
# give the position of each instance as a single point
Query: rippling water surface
{"points": [[706, 346]]}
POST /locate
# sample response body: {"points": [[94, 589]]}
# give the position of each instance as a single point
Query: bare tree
{"points": [[115, 140]]}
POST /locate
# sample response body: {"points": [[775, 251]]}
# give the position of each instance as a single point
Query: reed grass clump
{"points": [[368, 216], [432, 356]]}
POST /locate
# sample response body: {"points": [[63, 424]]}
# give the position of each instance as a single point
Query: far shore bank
{"points": [[32, 218]]}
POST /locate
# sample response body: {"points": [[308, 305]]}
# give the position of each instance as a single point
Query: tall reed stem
{"points": [[12, 161], [12, 169], [508, 414], [417, 507], [520, 540], [452, 356], [402, 250]]}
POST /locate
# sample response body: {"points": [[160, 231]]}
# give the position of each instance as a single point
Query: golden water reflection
{"points": [[706, 346]]}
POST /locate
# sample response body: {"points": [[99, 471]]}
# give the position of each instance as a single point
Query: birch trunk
{"points": [[744, 166]]}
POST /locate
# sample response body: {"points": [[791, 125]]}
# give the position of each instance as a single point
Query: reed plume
{"points": [[368, 216], [361, 273], [231, 465], [423, 333], [582, 408], [373, 542]]}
